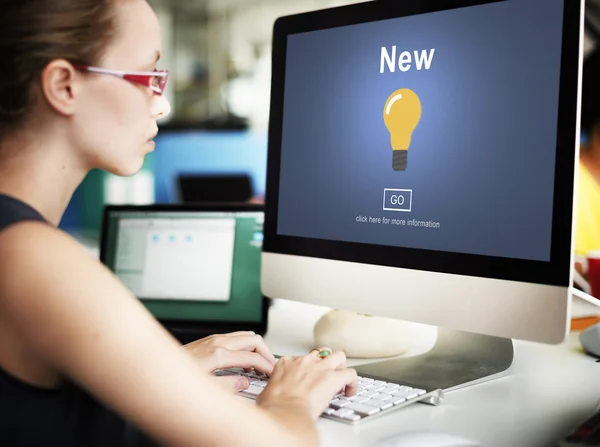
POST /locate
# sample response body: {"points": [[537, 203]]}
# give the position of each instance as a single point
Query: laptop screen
{"points": [[189, 265]]}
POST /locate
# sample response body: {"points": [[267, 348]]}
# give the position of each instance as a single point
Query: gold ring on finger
{"points": [[324, 353]]}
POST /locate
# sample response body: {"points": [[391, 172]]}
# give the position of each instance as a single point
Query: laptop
{"points": [[196, 267]]}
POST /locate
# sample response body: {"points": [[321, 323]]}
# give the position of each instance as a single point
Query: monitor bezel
{"points": [[192, 326], [555, 272]]}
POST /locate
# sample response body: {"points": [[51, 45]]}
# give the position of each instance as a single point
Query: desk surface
{"points": [[548, 390]]}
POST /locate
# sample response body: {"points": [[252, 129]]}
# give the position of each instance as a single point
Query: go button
{"points": [[397, 200]]}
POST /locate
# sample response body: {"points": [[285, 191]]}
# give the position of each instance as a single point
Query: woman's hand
{"points": [[311, 380], [235, 350]]}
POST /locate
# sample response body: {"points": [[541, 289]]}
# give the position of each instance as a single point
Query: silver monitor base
{"points": [[458, 359]]}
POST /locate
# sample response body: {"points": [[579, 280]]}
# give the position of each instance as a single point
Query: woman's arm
{"points": [[78, 317]]}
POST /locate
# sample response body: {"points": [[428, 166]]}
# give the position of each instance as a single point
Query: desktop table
{"points": [[548, 390]]}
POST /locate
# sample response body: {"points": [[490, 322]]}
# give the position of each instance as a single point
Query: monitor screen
{"points": [[428, 147], [478, 137], [189, 265]]}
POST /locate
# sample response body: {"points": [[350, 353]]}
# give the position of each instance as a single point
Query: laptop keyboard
{"points": [[374, 397]]}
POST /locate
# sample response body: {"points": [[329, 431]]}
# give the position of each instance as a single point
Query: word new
{"points": [[421, 60]]}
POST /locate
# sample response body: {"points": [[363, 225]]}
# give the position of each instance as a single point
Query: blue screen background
{"points": [[482, 158]]}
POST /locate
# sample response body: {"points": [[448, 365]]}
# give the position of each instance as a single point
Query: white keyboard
{"points": [[374, 397]]}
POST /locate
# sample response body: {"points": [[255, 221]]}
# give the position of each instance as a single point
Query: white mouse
{"points": [[426, 439], [590, 340]]}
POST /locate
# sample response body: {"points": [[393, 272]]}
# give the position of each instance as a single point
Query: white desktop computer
{"points": [[421, 166]]}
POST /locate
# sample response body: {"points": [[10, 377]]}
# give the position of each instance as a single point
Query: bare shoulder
{"points": [[33, 238], [38, 258], [57, 292], [30, 248]]}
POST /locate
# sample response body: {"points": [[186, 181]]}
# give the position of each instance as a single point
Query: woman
{"points": [[78, 353]]}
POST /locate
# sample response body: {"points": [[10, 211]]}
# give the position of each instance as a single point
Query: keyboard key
{"points": [[233, 370], [381, 404], [398, 400], [362, 409], [359, 399], [389, 389], [254, 390], [409, 394], [339, 403], [342, 412], [226, 372], [369, 394]]}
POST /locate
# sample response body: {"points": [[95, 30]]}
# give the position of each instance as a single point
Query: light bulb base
{"points": [[399, 160]]}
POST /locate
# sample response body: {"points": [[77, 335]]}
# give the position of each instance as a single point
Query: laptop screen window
{"points": [[168, 258], [189, 265]]}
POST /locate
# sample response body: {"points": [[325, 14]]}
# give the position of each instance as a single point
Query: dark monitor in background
{"points": [[202, 152], [214, 188]]}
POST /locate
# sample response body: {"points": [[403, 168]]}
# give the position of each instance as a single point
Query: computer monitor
{"points": [[186, 150], [195, 267], [214, 188], [421, 165]]}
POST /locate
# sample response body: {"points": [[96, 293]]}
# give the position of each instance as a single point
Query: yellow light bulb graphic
{"points": [[401, 115]]}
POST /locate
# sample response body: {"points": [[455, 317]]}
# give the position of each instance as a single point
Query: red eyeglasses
{"points": [[155, 80]]}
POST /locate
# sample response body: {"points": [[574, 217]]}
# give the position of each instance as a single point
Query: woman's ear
{"points": [[57, 86]]}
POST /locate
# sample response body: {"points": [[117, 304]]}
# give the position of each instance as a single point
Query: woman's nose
{"points": [[160, 106]]}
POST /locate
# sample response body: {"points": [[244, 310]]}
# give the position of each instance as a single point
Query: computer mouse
{"points": [[426, 439], [590, 340]]}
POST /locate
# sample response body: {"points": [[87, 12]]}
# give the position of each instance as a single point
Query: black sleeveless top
{"points": [[62, 417]]}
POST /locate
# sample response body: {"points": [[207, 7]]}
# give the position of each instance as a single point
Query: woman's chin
{"points": [[127, 170]]}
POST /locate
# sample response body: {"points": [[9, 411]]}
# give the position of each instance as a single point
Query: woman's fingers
{"points": [[349, 379], [235, 334], [316, 377], [335, 360], [234, 383], [224, 358], [247, 342], [344, 380]]}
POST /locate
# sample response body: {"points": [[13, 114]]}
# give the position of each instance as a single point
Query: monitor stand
{"points": [[458, 359]]}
